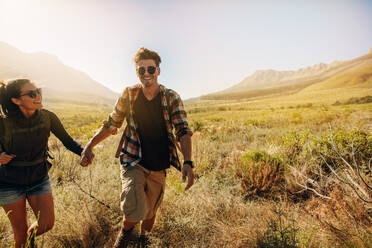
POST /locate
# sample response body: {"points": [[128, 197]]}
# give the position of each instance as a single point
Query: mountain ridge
{"points": [[337, 73], [267, 78], [49, 70]]}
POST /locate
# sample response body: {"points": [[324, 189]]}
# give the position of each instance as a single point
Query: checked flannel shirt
{"points": [[130, 147]]}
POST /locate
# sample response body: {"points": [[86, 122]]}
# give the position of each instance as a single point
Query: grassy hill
{"points": [[344, 78], [266, 83], [357, 78]]}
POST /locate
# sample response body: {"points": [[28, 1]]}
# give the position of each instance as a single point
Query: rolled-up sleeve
{"points": [[119, 112], [179, 116]]}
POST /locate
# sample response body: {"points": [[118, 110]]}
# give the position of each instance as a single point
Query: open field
{"points": [[264, 176]]}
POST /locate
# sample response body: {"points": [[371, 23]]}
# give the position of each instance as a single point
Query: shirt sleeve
{"points": [[179, 116], [60, 132], [1, 134], [119, 112]]}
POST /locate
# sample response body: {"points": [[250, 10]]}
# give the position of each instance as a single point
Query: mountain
{"points": [[57, 79], [267, 78], [321, 76]]}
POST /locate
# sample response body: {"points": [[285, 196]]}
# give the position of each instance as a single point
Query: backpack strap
{"points": [[7, 136], [45, 118]]}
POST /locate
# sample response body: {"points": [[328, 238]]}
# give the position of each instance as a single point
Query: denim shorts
{"points": [[14, 193]]}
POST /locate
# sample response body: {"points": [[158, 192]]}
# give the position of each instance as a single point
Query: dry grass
{"points": [[216, 212]]}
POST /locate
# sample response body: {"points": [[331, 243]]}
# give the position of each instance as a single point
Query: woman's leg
{"points": [[43, 208], [18, 219]]}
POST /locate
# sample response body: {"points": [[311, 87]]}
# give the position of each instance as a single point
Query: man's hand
{"points": [[87, 156], [5, 158], [188, 172]]}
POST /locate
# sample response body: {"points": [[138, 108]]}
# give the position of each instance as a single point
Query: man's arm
{"points": [[185, 141], [187, 170], [109, 127], [183, 134], [87, 155]]}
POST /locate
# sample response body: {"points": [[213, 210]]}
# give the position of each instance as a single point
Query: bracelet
{"points": [[189, 162]]}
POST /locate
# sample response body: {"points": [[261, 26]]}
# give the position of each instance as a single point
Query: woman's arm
{"points": [[60, 132]]}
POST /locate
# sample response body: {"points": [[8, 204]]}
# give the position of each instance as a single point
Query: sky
{"points": [[205, 46]]}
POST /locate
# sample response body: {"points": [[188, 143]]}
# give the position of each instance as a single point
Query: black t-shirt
{"points": [[148, 115]]}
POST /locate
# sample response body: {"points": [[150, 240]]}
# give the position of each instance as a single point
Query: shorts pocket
{"points": [[128, 201]]}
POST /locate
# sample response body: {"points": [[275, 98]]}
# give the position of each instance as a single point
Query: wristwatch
{"points": [[189, 162]]}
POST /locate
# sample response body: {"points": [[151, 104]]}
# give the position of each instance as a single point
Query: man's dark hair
{"points": [[144, 53]]}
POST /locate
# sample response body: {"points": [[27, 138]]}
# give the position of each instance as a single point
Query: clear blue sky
{"points": [[205, 45]]}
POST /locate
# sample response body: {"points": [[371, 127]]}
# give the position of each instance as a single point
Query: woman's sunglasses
{"points": [[32, 93], [150, 69]]}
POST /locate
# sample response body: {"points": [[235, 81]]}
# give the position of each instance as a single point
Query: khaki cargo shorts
{"points": [[142, 192]]}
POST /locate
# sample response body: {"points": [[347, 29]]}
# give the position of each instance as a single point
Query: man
{"points": [[147, 147]]}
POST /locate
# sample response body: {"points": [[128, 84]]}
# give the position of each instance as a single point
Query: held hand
{"points": [[87, 156], [5, 158], [188, 172]]}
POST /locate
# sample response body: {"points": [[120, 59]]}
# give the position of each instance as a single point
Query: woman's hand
{"points": [[87, 156], [5, 158]]}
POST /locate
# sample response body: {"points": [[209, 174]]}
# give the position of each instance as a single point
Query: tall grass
{"points": [[221, 209]]}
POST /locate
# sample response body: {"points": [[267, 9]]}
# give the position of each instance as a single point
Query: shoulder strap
{"points": [[7, 136], [45, 118]]}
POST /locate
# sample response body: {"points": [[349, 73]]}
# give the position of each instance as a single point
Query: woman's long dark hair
{"points": [[8, 90]]}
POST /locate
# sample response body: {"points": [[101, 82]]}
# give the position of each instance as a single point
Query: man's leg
{"points": [[132, 203], [123, 236], [146, 225], [128, 225], [155, 193]]}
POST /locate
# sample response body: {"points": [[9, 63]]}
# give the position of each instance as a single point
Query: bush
{"points": [[260, 173], [354, 146], [344, 218], [279, 234], [197, 126], [294, 143], [355, 100]]}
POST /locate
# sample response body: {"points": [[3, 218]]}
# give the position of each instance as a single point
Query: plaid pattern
{"points": [[131, 149]]}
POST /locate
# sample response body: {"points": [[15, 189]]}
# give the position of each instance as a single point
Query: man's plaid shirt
{"points": [[130, 147]]}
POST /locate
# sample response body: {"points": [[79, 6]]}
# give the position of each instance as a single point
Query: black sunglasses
{"points": [[150, 69], [32, 93]]}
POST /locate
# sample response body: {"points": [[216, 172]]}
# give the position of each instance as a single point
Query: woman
{"points": [[24, 131]]}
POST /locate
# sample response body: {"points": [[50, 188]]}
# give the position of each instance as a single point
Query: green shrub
{"points": [[355, 146], [260, 174], [279, 234], [197, 126], [294, 143]]}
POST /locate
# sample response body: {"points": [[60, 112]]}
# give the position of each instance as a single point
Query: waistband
{"points": [[26, 163]]}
